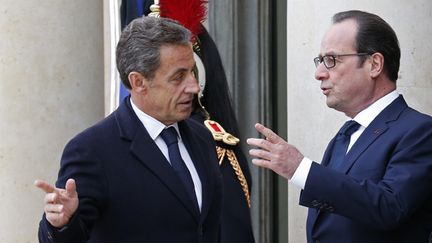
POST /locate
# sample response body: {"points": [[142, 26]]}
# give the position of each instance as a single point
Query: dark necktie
{"points": [[341, 143], [169, 135]]}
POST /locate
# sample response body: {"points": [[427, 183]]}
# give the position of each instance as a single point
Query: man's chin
{"points": [[184, 114], [330, 102]]}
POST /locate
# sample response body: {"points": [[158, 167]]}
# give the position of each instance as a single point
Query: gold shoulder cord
{"points": [[219, 134]]}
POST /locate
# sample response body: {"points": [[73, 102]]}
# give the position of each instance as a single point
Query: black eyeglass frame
{"points": [[320, 59]]}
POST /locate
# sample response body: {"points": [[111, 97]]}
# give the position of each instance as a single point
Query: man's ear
{"points": [[137, 82], [377, 64]]}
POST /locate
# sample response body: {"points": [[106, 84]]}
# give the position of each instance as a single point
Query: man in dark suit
{"points": [[214, 106], [374, 182], [123, 180]]}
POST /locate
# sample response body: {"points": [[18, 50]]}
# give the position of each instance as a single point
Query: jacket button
{"points": [[50, 236], [200, 230], [315, 203]]}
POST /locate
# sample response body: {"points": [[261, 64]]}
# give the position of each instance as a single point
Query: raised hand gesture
{"points": [[60, 204]]}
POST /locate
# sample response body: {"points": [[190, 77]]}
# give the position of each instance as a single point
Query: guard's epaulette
{"points": [[219, 133]]}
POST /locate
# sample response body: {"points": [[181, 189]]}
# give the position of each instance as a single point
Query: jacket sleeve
{"points": [[72, 232], [80, 162]]}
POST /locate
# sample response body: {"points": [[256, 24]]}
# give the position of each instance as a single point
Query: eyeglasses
{"points": [[330, 60]]}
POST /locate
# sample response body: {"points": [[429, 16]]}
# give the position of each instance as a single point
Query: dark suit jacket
{"points": [[384, 191], [127, 190]]}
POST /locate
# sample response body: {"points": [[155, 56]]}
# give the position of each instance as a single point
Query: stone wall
{"points": [[51, 87]]}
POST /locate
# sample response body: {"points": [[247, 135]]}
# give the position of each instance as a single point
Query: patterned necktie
{"points": [[169, 135], [341, 143]]}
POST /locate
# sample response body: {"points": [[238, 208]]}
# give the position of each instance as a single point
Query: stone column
{"points": [[51, 87]]}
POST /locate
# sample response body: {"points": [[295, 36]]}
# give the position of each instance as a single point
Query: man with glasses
{"points": [[374, 181]]}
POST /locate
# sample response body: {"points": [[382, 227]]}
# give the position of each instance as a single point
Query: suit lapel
{"points": [[370, 134], [377, 127], [149, 154]]}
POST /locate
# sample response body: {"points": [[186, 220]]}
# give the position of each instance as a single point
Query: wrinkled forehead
{"points": [[340, 38]]}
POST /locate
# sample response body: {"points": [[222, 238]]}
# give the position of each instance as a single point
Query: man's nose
{"points": [[321, 72], [192, 85]]}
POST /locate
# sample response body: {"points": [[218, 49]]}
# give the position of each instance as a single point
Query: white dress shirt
{"points": [[364, 118], [154, 128]]}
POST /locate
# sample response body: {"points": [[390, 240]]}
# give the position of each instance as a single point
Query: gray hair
{"points": [[139, 46]]}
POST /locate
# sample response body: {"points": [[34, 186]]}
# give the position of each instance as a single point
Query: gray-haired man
{"points": [[123, 181]]}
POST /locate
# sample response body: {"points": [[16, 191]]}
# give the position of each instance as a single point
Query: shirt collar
{"points": [[366, 116], [152, 125]]}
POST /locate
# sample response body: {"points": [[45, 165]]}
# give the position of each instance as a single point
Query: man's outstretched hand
{"points": [[274, 153], [60, 204]]}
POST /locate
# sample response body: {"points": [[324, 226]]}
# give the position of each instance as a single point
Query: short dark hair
{"points": [[139, 46], [375, 35]]}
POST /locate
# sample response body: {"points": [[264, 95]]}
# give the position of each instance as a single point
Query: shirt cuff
{"points": [[301, 174]]}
